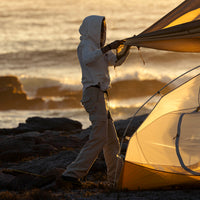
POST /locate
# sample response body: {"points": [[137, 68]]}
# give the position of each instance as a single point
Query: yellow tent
{"points": [[179, 31], [165, 150]]}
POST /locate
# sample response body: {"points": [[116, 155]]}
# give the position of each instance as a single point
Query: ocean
{"points": [[38, 41]]}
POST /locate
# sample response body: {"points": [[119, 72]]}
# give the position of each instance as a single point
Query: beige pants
{"points": [[102, 137]]}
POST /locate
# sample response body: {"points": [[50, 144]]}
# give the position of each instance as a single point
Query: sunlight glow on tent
{"points": [[165, 150], [178, 31], [190, 16]]}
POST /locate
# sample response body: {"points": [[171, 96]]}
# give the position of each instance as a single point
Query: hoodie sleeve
{"points": [[111, 58], [122, 59], [89, 53]]}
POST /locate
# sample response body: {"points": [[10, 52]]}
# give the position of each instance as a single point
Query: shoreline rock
{"points": [[35, 161], [120, 90], [12, 96], [44, 145], [40, 124]]}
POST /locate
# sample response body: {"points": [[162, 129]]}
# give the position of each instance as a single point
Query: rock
{"points": [[69, 102], [31, 145], [23, 182], [56, 124], [35, 104], [17, 148], [57, 91], [122, 124], [71, 98], [135, 88], [44, 165], [10, 82], [11, 100], [47, 150], [46, 136], [42, 124], [5, 179], [12, 95]]}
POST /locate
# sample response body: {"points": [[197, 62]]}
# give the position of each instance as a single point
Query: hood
{"points": [[91, 28]]}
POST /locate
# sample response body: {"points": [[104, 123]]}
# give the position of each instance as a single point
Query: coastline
{"points": [[125, 97], [45, 146]]}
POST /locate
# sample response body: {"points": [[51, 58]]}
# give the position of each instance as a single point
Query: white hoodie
{"points": [[94, 63]]}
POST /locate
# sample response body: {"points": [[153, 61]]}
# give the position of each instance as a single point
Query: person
{"points": [[94, 59]]}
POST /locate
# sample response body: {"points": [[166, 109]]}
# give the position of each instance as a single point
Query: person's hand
{"points": [[116, 44], [112, 45]]}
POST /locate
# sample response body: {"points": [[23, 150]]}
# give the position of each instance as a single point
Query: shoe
{"points": [[72, 180]]}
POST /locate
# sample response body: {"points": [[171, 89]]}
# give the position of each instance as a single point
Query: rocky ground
{"points": [[34, 155]]}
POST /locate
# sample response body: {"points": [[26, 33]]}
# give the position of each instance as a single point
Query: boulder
{"points": [[69, 102], [56, 124], [10, 82], [31, 145], [121, 125], [58, 91], [29, 158], [42, 124], [12, 96], [135, 88]]}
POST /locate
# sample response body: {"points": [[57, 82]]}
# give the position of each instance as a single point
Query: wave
{"points": [[38, 58], [53, 56], [34, 84], [125, 85], [42, 69]]}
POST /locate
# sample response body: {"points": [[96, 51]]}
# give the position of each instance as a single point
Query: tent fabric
{"points": [[167, 142], [164, 151], [156, 145], [177, 31], [187, 8], [185, 97], [139, 177], [182, 38], [155, 135]]}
